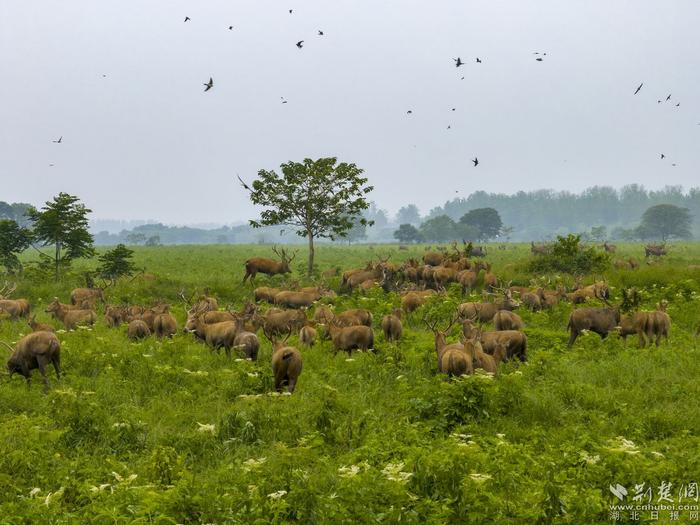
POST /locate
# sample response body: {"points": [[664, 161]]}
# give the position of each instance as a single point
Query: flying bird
{"points": [[475, 160], [230, 27], [243, 183], [290, 11], [663, 156], [209, 85], [50, 164], [58, 141], [458, 62], [640, 87], [409, 112], [462, 78], [678, 104], [283, 101], [187, 19], [478, 60], [539, 59], [668, 97], [320, 33], [454, 109], [300, 44], [449, 127]]}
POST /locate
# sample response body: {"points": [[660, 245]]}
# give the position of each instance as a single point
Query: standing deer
{"points": [[256, 265]]}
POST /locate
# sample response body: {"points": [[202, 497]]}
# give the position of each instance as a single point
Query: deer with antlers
{"points": [[36, 350], [452, 359], [256, 265], [15, 308]]}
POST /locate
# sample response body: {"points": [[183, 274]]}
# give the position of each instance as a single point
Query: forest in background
{"points": [[535, 215]]}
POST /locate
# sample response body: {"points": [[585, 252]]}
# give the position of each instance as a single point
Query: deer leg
{"points": [[41, 364], [291, 384], [572, 338], [57, 366]]}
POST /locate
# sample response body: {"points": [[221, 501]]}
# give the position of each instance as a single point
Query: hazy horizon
{"points": [[146, 141]]}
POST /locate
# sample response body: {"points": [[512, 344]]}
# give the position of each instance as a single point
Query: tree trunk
{"points": [[310, 268], [58, 258]]}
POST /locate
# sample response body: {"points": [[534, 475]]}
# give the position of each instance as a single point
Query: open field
{"points": [[170, 432]]}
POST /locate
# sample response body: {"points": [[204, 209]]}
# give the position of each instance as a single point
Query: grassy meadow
{"points": [[170, 432]]}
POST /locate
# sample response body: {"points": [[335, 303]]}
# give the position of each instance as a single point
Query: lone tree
{"points": [[116, 263], [13, 240], [440, 229], [407, 233], [320, 198], [63, 223], [408, 214], [665, 221], [486, 221]]}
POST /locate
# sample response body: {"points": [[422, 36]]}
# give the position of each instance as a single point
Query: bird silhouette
{"points": [[478, 60], [462, 78], [449, 127], [640, 87], [290, 11], [668, 97], [50, 164], [300, 44], [678, 104], [663, 156], [409, 112], [187, 19], [458, 62], [454, 109], [283, 101], [58, 141], [243, 183], [230, 27], [320, 33], [208, 85], [475, 160]]}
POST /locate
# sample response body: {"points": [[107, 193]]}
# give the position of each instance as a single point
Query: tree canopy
{"points": [[407, 233], [63, 223], [13, 240], [665, 221], [408, 214], [486, 221], [318, 198], [116, 263]]}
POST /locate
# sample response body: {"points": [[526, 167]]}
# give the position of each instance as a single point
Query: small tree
{"points": [[135, 238], [407, 233], [13, 240], [486, 221], [116, 263], [665, 221], [357, 232], [153, 240], [568, 255], [321, 198], [441, 228], [408, 215], [63, 223]]}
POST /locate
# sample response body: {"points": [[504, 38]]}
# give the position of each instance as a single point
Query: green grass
{"points": [[126, 436]]}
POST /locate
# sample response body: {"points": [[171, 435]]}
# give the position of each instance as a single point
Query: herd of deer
{"points": [[349, 330]]}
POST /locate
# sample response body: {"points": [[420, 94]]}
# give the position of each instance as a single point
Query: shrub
{"points": [[570, 256]]}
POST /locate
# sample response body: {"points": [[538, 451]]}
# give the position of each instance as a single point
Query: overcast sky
{"points": [[145, 141]]}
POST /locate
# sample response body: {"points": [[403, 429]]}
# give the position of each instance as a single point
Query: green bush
{"points": [[568, 255]]}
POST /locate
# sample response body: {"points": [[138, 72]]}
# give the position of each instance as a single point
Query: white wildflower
{"points": [[51, 495], [349, 360], [120, 425], [658, 454], [211, 428], [623, 445], [479, 478], [34, 492], [252, 463], [394, 472], [277, 495], [117, 476], [349, 472], [500, 436], [252, 374]]}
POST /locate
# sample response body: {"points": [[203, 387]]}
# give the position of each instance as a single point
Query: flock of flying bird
{"points": [[458, 63]]}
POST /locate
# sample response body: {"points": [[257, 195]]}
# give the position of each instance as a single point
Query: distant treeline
{"points": [[543, 214], [534, 215]]}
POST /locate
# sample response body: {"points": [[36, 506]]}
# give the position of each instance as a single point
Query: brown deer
{"points": [[39, 327], [15, 308], [286, 363], [35, 350], [392, 326], [71, 318], [256, 265], [137, 329]]}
